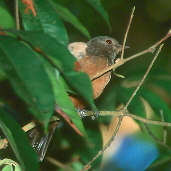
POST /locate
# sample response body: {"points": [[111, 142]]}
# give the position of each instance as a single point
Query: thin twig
{"points": [[164, 128], [155, 138], [126, 34], [121, 62], [144, 77], [139, 118], [17, 18], [58, 164]]}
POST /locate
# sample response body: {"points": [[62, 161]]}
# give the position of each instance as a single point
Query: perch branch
{"points": [[126, 34], [17, 19]]}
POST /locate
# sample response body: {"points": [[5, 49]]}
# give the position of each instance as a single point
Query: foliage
{"points": [[40, 70]]}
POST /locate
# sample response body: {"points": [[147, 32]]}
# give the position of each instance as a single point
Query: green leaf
{"points": [[65, 14], [10, 165], [93, 145], [157, 103], [107, 101], [165, 84], [28, 77], [96, 4], [19, 142], [7, 168], [7, 21], [60, 57], [62, 99], [2, 74], [136, 106], [44, 18], [81, 83]]}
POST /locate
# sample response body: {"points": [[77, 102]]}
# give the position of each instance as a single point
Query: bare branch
{"points": [[155, 138], [164, 128], [141, 119], [126, 34], [17, 19], [58, 164]]}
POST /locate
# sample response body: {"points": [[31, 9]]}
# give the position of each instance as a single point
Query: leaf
{"points": [[136, 106], [45, 19], [9, 165], [7, 20], [66, 15], [28, 77], [19, 142], [2, 75], [82, 84], [165, 84], [157, 103], [63, 100], [93, 145], [60, 57], [107, 101], [96, 4]]}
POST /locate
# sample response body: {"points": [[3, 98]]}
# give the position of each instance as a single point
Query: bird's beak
{"points": [[120, 48]]}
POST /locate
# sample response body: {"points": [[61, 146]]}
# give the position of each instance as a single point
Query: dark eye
{"points": [[109, 41]]}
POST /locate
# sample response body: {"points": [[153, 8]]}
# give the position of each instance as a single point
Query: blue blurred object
{"points": [[133, 155]]}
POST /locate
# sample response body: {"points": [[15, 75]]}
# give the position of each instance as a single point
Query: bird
{"points": [[93, 56]]}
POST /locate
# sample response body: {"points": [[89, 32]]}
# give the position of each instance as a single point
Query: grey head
{"points": [[103, 46]]}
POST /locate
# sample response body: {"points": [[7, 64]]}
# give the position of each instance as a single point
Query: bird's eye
{"points": [[109, 41]]}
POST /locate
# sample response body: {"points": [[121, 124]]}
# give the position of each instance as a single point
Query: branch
{"points": [[58, 164], [155, 138], [126, 34], [139, 118], [17, 19]]}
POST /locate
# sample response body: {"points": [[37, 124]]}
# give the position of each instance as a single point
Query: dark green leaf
{"points": [[6, 21], [2, 74], [157, 103], [44, 18], [107, 101], [96, 4], [82, 84], [28, 77], [69, 17], [93, 145], [136, 106], [62, 99], [60, 57], [19, 142]]}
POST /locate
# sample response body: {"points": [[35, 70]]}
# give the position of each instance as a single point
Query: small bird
{"points": [[93, 56]]}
